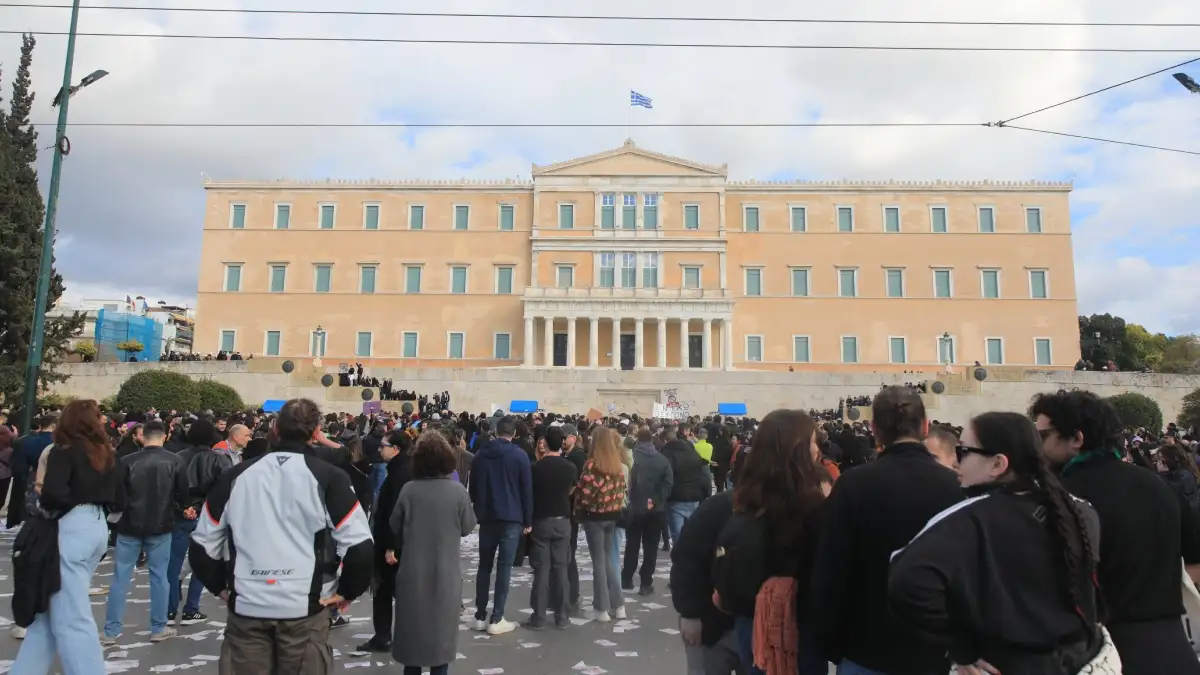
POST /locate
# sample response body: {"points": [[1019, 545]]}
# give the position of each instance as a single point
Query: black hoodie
{"points": [[692, 479]]}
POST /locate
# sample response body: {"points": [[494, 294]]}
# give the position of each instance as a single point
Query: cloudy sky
{"points": [[131, 207]]}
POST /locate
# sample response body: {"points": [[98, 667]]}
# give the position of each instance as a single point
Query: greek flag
{"points": [[637, 100]]}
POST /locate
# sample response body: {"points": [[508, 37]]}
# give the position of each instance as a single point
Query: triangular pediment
{"points": [[630, 160]]}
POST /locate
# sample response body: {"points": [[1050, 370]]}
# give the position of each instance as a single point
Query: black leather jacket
{"points": [[204, 467], [156, 490]]}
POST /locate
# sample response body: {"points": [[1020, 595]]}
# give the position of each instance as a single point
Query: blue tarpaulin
{"points": [[523, 407], [273, 405], [731, 408]]}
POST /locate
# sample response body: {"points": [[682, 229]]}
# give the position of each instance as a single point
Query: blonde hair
{"points": [[606, 452]]}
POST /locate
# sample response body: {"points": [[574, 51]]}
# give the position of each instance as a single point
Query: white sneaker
{"points": [[18, 633], [480, 625], [166, 634], [501, 627], [599, 617], [619, 613]]}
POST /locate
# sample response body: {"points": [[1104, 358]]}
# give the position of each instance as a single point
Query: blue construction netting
{"points": [[113, 328]]}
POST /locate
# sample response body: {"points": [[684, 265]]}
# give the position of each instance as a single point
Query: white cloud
{"points": [[132, 203]]}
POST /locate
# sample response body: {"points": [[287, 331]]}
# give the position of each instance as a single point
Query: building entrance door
{"points": [[695, 351], [627, 350], [560, 349]]}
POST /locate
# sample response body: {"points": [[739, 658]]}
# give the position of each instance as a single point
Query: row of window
{"points": [[939, 215], [327, 216], [895, 282], [898, 349], [368, 275], [364, 344], [752, 220]]}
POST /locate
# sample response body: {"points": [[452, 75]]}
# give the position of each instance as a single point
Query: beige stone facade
{"points": [[637, 260]]}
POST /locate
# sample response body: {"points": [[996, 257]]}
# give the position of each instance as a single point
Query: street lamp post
{"points": [[33, 364]]}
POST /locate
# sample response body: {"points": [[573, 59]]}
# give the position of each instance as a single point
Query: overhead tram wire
{"points": [[1104, 140], [591, 43], [517, 125], [1003, 123], [583, 17]]}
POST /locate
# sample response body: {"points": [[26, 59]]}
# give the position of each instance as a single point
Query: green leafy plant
{"points": [[1138, 410], [1189, 413], [219, 397], [85, 350], [159, 389]]}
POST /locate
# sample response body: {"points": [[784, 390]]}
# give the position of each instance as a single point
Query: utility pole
{"points": [[33, 364]]}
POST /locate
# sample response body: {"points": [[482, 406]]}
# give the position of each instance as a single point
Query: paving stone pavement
{"points": [[646, 644]]}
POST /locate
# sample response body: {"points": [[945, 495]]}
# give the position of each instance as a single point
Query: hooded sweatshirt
{"points": [[501, 485], [650, 479]]}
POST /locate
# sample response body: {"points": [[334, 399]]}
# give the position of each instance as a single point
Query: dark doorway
{"points": [[695, 351], [627, 350], [560, 349]]}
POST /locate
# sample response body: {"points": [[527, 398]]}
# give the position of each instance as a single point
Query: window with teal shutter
{"points": [[237, 217], [938, 215], [941, 283], [800, 282], [891, 219], [899, 350], [1041, 347], [995, 351], [228, 340], [848, 283], [608, 272], [1033, 220], [895, 283], [462, 215], [506, 217], [412, 279], [650, 270], [456, 345], [691, 277], [608, 211], [410, 346], [629, 212], [368, 278], [272, 343], [371, 216], [691, 216], [278, 278], [566, 216], [751, 218], [1037, 284], [458, 280], [416, 217], [799, 219], [327, 216], [991, 284], [849, 350], [283, 216], [649, 211], [322, 273], [845, 216], [987, 219], [628, 270], [800, 350], [233, 278], [754, 348], [503, 350], [754, 282], [364, 345], [504, 280]]}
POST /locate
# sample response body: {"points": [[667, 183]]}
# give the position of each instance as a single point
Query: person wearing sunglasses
{"points": [[1005, 579]]}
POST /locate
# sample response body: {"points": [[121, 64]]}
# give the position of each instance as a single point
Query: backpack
{"points": [[739, 566]]}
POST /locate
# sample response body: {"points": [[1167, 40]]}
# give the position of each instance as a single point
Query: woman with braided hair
{"points": [[1006, 579]]}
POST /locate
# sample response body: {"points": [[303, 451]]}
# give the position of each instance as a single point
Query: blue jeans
{"points": [[68, 629], [495, 538], [808, 662], [618, 543], [847, 667], [158, 558], [179, 548], [677, 514], [377, 476]]}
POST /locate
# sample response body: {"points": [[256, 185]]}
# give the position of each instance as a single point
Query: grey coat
{"points": [[431, 517]]}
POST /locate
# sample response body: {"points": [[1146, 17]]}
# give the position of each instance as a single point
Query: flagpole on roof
{"points": [[629, 136]]}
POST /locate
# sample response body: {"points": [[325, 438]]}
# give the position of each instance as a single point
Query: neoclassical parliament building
{"points": [[631, 259]]}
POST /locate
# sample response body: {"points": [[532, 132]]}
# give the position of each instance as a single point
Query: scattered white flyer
{"points": [[606, 643], [627, 654], [594, 670], [359, 664], [205, 657], [668, 631], [653, 605], [490, 671], [117, 655], [364, 636], [531, 645]]}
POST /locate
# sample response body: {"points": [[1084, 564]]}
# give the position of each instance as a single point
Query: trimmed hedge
{"points": [[1189, 413], [1138, 410], [160, 389], [218, 397]]}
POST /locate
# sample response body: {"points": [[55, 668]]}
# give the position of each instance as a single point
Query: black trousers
{"points": [[573, 567], [644, 532], [719, 474], [16, 503], [381, 602]]}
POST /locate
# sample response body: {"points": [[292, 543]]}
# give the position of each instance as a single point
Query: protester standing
{"points": [[650, 486], [599, 501], [397, 450], [554, 479]]}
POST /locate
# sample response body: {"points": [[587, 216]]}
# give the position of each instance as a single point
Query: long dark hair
{"points": [[1175, 458], [79, 427], [1015, 436], [779, 481]]}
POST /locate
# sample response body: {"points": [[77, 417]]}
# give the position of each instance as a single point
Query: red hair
{"points": [[79, 427]]}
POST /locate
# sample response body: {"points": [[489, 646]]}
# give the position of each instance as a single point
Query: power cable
{"points": [[581, 17], [1002, 123], [551, 43], [1104, 140], [528, 125]]}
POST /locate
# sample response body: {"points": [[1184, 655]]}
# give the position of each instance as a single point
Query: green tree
{"points": [[21, 219], [159, 389], [1137, 410], [1143, 350], [1101, 338], [219, 397], [1181, 354], [130, 347], [1189, 412]]}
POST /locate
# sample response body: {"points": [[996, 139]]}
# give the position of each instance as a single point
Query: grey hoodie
{"points": [[651, 478]]}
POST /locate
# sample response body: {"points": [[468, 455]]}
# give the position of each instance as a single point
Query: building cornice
{"points": [[744, 186], [630, 148], [368, 184]]}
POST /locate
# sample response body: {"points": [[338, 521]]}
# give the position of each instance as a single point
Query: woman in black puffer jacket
{"points": [[1182, 474]]}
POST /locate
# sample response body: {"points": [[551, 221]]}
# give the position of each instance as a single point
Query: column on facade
{"points": [[727, 343], [570, 342], [661, 361], [684, 361], [529, 332], [706, 341], [616, 343], [639, 361], [593, 342], [548, 341]]}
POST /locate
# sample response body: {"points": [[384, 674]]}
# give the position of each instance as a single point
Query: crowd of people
{"points": [[1047, 542]]}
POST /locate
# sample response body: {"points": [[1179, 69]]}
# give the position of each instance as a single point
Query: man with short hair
{"points": [[650, 483], [157, 489], [291, 521], [943, 445], [501, 490], [553, 481]]}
